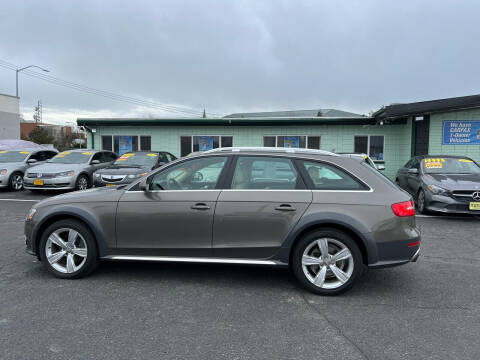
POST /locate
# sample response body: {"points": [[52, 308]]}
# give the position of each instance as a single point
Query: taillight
{"points": [[406, 208]]}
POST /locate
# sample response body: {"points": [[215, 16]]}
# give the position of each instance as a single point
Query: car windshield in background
{"points": [[68, 157], [450, 166], [12, 156], [135, 159]]}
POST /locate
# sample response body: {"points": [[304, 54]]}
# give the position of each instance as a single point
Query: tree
{"points": [[40, 136]]}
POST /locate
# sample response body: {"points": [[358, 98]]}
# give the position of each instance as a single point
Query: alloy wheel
{"points": [[82, 183], [17, 182], [66, 250], [327, 263]]}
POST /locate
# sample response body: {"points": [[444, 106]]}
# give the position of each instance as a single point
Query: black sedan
{"points": [[442, 183], [131, 166]]}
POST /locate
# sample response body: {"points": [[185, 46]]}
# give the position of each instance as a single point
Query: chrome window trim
{"points": [[191, 259]]}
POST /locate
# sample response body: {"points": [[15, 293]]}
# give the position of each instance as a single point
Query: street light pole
{"points": [[24, 68]]}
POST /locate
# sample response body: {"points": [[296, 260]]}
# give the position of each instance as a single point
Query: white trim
{"points": [[191, 259], [19, 200]]}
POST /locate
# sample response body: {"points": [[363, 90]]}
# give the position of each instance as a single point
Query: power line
{"points": [[107, 94]]}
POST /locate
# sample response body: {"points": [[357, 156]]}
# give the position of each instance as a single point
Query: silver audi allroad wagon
{"points": [[327, 217]]}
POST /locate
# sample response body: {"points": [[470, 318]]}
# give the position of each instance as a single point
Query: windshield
{"points": [[450, 166], [136, 159], [13, 156], [68, 157]]}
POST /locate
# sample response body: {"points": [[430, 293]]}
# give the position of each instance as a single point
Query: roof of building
{"points": [[250, 121], [430, 106], [297, 113]]}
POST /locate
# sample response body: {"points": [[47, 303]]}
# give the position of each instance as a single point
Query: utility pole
{"points": [[24, 68], [38, 112]]}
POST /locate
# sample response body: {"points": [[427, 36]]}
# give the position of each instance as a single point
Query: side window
{"points": [[327, 177], [195, 174], [98, 156], [408, 165], [170, 157], [38, 156], [108, 157], [415, 164], [162, 158], [255, 172], [49, 154]]}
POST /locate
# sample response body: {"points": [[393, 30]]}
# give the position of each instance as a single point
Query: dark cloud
{"points": [[243, 55]]}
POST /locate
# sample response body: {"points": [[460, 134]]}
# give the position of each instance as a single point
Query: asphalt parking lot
{"points": [[424, 310]]}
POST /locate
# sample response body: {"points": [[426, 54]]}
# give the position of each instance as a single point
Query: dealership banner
{"points": [[461, 132], [291, 141], [125, 144], [205, 143]]}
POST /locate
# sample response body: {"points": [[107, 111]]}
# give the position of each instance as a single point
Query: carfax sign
{"points": [[461, 132]]}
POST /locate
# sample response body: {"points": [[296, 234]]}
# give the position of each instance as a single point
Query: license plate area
{"points": [[108, 185], [38, 182], [474, 206]]}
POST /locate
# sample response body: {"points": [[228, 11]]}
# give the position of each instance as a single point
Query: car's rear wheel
{"points": [[421, 202], [82, 183], [68, 249], [327, 262], [16, 181]]}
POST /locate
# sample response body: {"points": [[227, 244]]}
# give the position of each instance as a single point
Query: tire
{"points": [[421, 202], [15, 182], [68, 259], [334, 281], [82, 182]]}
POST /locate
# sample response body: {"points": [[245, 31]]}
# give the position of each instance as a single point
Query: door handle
{"points": [[200, 206], [285, 207]]}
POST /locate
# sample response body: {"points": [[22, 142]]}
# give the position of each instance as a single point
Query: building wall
{"points": [[9, 117], [436, 129], [397, 147]]}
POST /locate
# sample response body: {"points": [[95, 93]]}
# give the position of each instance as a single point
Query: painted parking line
{"points": [[19, 200]]}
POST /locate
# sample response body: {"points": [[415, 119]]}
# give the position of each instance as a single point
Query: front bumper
{"points": [[447, 204], [99, 182], [59, 183], [4, 180]]}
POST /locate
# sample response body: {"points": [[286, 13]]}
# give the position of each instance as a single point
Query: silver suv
{"points": [[326, 216], [13, 164], [68, 170]]}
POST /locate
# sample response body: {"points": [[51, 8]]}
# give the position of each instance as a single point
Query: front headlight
{"points": [[65, 174], [3, 172], [133, 176], [97, 175], [30, 214], [437, 190]]}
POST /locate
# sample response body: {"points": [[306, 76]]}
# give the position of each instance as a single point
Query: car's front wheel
{"points": [[68, 249], [16, 182], [327, 262], [82, 183], [421, 202]]}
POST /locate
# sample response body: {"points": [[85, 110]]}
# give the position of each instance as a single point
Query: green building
{"points": [[390, 136]]}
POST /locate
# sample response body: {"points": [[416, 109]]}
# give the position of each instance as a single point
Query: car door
{"points": [[266, 199], [174, 217], [413, 179]]}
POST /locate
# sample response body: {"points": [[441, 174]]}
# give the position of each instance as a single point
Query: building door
{"points": [[421, 127]]}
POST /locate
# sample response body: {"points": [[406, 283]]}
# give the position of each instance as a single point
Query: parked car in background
{"points": [[365, 158], [13, 164], [442, 183], [131, 166], [68, 170], [324, 215]]}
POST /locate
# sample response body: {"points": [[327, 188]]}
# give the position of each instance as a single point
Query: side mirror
{"points": [[143, 184], [413, 171], [95, 162], [380, 167], [31, 161]]}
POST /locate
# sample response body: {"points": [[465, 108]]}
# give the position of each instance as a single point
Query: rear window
{"points": [[327, 177]]}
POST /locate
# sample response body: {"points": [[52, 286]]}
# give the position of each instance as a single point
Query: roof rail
{"points": [[272, 149]]}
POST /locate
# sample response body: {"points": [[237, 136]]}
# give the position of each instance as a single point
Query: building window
{"points": [[295, 141], [145, 143], [372, 145], [194, 143], [107, 142]]}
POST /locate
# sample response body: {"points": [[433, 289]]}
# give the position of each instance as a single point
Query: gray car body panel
{"points": [[243, 223]]}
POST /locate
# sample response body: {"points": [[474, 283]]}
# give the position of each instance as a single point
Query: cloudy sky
{"points": [[230, 56]]}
